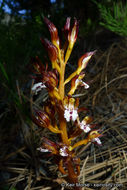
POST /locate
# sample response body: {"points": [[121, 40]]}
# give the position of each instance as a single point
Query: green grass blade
{"points": [[4, 71]]}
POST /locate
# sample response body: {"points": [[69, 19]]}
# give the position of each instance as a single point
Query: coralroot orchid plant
{"points": [[61, 108]]}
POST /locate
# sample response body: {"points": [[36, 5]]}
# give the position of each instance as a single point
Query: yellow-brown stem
{"points": [[60, 166], [55, 66], [62, 120], [79, 144], [70, 77], [63, 128], [53, 129], [61, 81], [73, 177], [68, 53]]}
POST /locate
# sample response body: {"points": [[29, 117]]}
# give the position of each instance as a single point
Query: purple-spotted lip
{"points": [[70, 114]]}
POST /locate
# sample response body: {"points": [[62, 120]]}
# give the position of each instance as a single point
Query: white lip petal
{"points": [[86, 86], [66, 115], [78, 82], [74, 115], [43, 150], [85, 128], [63, 152], [37, 87], [70, 114], [97, 140]]}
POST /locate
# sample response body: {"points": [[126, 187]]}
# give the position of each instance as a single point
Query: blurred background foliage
{"points": [[114, 16]]}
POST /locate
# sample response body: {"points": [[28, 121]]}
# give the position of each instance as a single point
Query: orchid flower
{"points": [[77, 81], [85, 124], [71, 109]]}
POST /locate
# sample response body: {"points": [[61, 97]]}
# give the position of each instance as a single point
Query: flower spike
{"points": [[61, 107]]}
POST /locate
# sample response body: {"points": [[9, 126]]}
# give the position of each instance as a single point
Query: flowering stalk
{"points": [[60, 105]]}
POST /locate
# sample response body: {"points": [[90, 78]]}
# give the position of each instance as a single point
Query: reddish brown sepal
{"points": [[72, 36], [41, 119], [50, 145], [53, 30], [52, 49], [67, 27], [83, 60], [50, 79]]}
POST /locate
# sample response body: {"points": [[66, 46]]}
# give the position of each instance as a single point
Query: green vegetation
{"points": [[113, 16]]}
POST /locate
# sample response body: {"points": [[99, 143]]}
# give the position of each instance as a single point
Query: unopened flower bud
{"points": [[50, 79], [53, 31], [50, 145], [72, 36], [52, 49], [83, 61], [67, 27], [41, 119]]}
